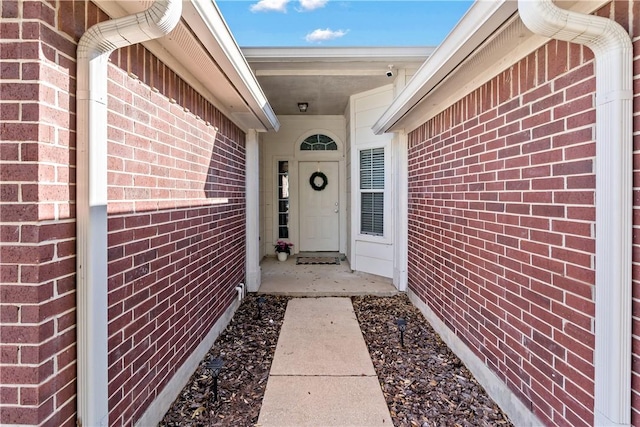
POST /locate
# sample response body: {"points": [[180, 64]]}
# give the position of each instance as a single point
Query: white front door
{"points": [[319, 209]]}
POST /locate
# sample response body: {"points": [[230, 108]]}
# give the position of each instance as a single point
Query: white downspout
{"points": [[94, 49], [613, 57]]}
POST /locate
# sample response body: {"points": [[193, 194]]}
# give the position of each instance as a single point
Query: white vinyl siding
{"points": [[372, 244], [372, 177]]}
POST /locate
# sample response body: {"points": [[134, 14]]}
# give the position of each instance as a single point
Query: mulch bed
{"points": [[424, 383], [247, 347]]}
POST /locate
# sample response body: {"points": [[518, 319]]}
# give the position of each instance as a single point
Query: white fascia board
{"points": [[318, 72], [206, 21], [303, 54], [480, 21]]}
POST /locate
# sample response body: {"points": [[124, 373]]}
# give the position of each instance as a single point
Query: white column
{"points": [[400, 213], [252, 263]]}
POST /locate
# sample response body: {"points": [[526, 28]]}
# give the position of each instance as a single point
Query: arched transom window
{"points": [[318, 143]]}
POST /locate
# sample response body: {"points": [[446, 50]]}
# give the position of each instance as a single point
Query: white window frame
{"points": [[387, 212], [293, 213]]}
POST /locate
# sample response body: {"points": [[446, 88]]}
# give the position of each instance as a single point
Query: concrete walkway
{"points": [[322, 374], [287, 278]]}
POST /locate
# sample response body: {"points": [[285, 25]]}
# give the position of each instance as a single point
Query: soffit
{"points": [[325, 78], [201, 51]]}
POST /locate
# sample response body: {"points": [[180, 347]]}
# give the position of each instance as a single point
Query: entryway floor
{"points": [[287, 278]]}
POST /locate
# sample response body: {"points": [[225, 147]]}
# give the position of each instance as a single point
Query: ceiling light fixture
{"points": [[302, 106]]}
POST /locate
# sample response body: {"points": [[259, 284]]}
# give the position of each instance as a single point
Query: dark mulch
{"points": [[424, 383], [247, 347]]}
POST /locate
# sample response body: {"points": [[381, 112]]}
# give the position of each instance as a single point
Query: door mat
{"points": [[315, 260]]}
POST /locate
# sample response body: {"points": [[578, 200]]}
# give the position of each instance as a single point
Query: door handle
{"points": [[336, 210]]}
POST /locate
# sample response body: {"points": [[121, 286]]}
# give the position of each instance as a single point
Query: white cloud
{"points": [[320, 35], [281, 5], [270, 6], [312, 4]]}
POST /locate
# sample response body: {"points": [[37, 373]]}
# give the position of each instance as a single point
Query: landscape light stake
{"points": [[216, 366], [261, 301], [402, 326]]}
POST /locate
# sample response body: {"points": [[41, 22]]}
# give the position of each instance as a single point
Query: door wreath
{"points": [[312, 181]]}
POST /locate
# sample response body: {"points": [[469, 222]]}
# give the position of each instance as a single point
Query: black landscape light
{"points": [[261, 302], [216, 366], [402, 326]]}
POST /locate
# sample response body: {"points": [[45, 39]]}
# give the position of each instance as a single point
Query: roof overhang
{"points": [[488, 39], [202, 50], [325, 77]]}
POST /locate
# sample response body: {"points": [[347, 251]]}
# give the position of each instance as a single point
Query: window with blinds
{"points": [[372, 191]]}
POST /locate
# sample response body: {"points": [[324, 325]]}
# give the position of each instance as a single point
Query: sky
{"points": [[330, 23]]}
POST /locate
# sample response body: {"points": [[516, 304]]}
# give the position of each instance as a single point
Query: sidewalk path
{"points": [[322, 374]]}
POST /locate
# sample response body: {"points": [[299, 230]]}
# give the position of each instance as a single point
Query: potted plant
{"points": [[283, 249]]}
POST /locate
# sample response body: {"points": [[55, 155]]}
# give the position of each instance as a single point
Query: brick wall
{"points": [[37, 231], [501, 225], [175, 249], [174, 257]]}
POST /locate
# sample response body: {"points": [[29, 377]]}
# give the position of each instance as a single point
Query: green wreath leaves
{"points": [[312, 181]]}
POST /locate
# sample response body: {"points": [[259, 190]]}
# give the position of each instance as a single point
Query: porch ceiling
{"points": [[325, 78]]}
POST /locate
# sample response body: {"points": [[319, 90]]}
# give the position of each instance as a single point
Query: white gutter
{"points": [[479, 23], [94, 49], [614, 78]]}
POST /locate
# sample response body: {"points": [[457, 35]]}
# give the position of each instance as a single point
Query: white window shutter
{"points": [[372, 175]]}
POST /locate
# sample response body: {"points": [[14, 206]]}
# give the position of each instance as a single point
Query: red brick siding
{"points": [[501, 225], [501, 244], [37, 231], [174, 257]]}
